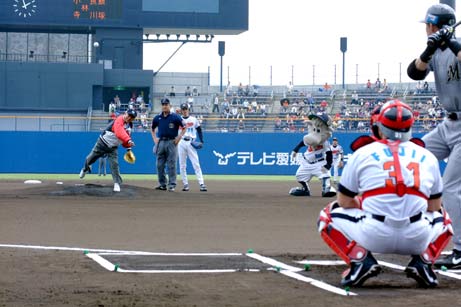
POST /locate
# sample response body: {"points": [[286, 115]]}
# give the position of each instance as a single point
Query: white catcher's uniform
{"points": [[186, 150], [338, 154], [388, 223]]}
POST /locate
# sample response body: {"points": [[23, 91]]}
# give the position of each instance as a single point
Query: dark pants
{"points": [[99, 150], [167, 155]]}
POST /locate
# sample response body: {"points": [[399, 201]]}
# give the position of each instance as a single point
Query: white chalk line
{"points": [[115, 268], [291, 271], [94, 254], [285, 269], [114, 251]]}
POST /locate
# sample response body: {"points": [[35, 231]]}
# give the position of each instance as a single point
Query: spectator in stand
{"points": [[240, 89], [355, 98], [226, 112], [326, 87], [112, 107], [384, 86], [419, 88], [225, 104], [262, 108], [216, 104], [368, 85], [377, 84], [195, 91], [172, 91], [144, 122], [278, 124], [139, 100], [241, 125], [131, 104], [190, 102], [254, 106], [187, 92], [426, 87], [117, 102]]}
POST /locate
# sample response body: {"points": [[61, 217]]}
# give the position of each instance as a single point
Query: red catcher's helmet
{"points": [[395, 120]]}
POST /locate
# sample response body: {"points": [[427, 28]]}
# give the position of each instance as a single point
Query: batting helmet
{"points": [[395, 120], [440, 14], [184, 106], [132, 113]]}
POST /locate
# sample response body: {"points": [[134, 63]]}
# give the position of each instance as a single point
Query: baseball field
{"points": [[245, 242]]}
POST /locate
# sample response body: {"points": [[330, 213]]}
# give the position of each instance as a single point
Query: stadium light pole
{"points": [[221, 52], [343, 47]]}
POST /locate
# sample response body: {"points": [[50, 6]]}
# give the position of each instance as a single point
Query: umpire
{"points": [[165, 128]]}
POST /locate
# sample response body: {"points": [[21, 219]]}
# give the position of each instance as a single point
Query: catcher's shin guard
{"points": [[436, 247], [336, 240]]}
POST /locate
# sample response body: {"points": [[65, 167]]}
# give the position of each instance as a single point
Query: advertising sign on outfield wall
{"points": [[223, 153]]}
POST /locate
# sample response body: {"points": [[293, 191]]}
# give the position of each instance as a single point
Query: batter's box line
{"points": [[282, 268]]}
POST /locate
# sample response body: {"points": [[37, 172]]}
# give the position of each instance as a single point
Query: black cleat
{"points": [[451, 261], [360, 271], [161, 188], [422, 272]]}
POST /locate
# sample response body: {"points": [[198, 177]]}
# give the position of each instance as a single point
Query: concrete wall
{"points": [[42, 86]]}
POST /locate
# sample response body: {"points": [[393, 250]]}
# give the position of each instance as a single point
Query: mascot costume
{"points": [[316, 161]]}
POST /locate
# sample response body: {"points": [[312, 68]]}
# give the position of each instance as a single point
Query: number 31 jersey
{"points": [[372, 167]]}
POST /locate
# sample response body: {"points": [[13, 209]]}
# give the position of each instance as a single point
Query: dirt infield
{"points": [[232, 217]]}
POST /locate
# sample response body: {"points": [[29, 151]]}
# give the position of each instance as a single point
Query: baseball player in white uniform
{"points": [[389, 201], [186, 150], [338, 157]]}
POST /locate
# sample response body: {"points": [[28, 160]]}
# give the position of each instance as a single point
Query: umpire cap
{"points": [[440, 14], [165, 101]]}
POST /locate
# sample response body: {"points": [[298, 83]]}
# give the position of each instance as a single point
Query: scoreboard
{"points": [[229, 16], [97, 9]]}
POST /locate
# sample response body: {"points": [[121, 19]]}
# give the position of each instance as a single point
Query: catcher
{"points": [[188, 148], [118, 132], [389, 202]]}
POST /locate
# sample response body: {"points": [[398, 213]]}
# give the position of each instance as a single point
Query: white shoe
{"points": [[82, 173], [116, 187]]}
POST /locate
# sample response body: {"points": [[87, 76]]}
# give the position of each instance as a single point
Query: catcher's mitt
{"points": [[129, 157], [197, 144]]}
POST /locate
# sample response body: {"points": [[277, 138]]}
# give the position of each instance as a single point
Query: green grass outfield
{"points": [[145, 177]]}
